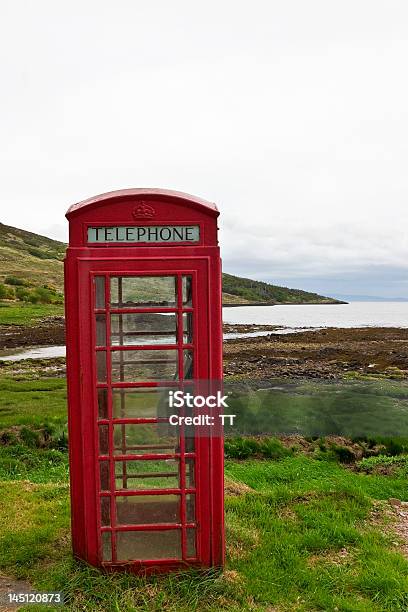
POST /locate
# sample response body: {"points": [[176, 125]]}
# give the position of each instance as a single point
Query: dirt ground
{"points": [[50, 331], [328, 353], [10, 585]]}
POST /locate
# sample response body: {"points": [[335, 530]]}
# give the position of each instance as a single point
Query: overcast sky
{"points": [[291, 115]]}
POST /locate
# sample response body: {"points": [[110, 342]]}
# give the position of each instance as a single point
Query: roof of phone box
{"points": [[191, 200]]}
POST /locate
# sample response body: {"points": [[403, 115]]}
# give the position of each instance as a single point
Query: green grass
{"points": [[33, 517], [302, 538], [317, 547], [384, 464], [302, 474], [27, 314], [32, 402], [33, 430], [346, 408], [17, 462]]}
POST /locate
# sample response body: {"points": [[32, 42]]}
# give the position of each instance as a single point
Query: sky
{"points": [[292, 116]]}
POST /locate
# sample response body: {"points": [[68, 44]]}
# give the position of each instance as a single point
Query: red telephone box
{"points": [[143, 316]]}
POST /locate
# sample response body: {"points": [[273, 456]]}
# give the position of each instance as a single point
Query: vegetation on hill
{"points": [[257, 291], [31, 270], [30, 267], [29, 243]]}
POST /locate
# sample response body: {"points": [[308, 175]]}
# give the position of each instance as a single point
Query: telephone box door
{"points": [[146, 481]]}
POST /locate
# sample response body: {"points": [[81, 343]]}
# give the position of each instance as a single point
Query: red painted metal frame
{"points": [[83, 262], [201, 456]]}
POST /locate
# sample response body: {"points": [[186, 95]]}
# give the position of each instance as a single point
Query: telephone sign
{"points": [[144, 234]]}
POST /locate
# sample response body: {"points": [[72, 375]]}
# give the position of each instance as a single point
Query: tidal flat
{"points": [[328, 353]]}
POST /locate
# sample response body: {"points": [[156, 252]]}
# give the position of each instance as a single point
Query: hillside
{"points": [[248, 290], [28, 262], [31, 258]]}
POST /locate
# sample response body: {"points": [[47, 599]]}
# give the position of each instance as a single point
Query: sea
{"points": [[354, 314]]}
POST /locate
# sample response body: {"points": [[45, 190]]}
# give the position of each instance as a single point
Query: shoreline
{"points": [[334, 303], [324, 353], [328, 353]]}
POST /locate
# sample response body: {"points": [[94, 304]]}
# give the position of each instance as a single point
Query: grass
{"points": [[301, 538], [301, 475], [37, 515], [384, 464], [27, 314], [32, 402], [17, 462], [319, 553], [33, 430], [347, 408]]}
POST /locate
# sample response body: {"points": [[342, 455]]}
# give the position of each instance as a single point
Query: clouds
{"points": [[292, 116], [316, 250]]}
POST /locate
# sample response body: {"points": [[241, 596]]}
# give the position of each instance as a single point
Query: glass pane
{"points": [[162, 474], [188, 327], [190, 478], [106, 546], [147, 509], [143, 545], [134, 366], [143, 328], [188, 364], [130, 291], [103, 403], [187, 291], [191, 543], [105, 511], [189, 440], [190, 508], [154, 438], [104, 475], [101, 366], [103, 439], [99, 283], [141, 402], [100, 330]]}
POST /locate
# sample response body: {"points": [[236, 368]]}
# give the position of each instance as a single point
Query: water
{"points": [[33, 352], [48, 352], [279, 330], [355, 314]]}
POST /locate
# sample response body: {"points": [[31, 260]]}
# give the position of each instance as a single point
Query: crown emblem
{"points": [[143, 210]]}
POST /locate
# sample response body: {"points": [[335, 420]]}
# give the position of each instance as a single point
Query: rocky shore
{"points": [[330, 353]]}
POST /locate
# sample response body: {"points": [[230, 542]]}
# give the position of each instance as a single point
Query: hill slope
{"points": [[37, 261], [30, 257], [246, 289]]}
